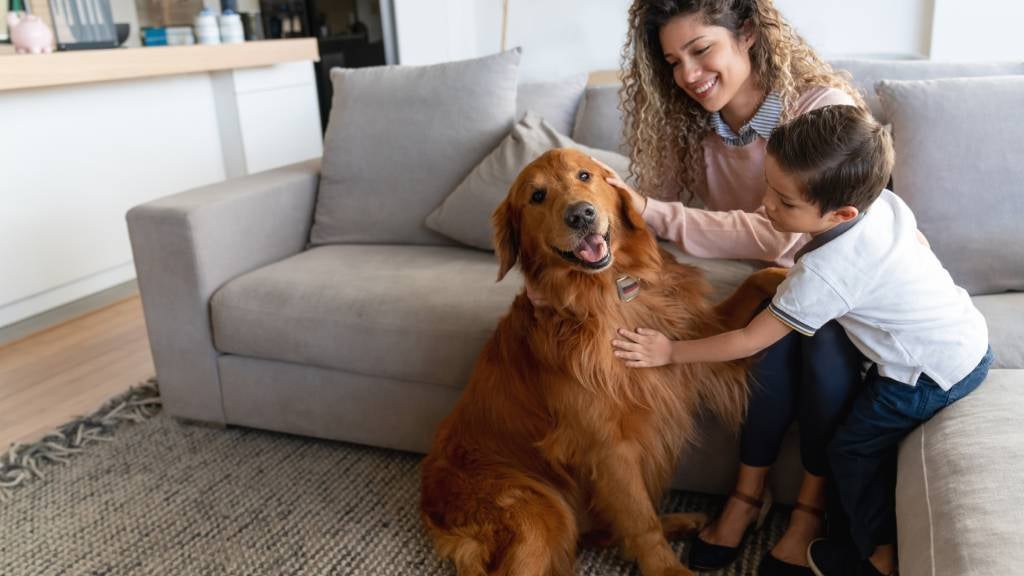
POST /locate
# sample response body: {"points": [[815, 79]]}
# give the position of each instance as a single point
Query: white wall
{"points": [[978, 30], [76, 158], [436, 31], [866, 28], [561, 37], [558, 38]]}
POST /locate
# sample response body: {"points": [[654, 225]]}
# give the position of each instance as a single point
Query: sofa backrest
{"points": [[599, 122], [867, 73]]}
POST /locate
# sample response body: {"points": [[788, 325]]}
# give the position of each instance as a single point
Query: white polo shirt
{"points": [[890, 293]]}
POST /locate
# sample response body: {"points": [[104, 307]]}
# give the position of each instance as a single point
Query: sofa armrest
{"points": [[188, 245]]}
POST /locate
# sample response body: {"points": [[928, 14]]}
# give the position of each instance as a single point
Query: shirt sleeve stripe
{"points": [[790, 321]]}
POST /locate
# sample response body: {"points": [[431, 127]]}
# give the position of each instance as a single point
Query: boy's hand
{"points": [[643, 348]]}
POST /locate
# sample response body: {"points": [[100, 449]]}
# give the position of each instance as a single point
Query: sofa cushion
{"points": [[465, 214], [866, 73], [556, 101], [1004, 314], [958, 497], [400, 138], [599, 122], [724, 275], [958, 167], [419, 313]]}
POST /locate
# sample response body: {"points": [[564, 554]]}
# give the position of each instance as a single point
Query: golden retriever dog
{"points": [[555, 439]]}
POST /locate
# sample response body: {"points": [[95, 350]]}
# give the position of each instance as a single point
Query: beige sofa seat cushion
{"points": [[1004, 314], [724, 275], [420, 313], [959, 502]]}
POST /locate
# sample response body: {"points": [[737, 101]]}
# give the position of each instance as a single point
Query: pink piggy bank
{"points": [[29, 34]]}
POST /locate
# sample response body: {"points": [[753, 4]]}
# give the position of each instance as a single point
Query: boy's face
{"points": [[787, 208]]}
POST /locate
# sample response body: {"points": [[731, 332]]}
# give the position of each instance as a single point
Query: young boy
{"points": [[867, 267]]}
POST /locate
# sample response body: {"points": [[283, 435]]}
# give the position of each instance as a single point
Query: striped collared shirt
{"points": [[764, 121]]}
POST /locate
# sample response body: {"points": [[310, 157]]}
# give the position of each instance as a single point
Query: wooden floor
{"points": [[52, 376]]}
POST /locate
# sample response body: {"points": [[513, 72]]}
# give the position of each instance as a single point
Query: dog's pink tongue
{"points": [[592, 249]]}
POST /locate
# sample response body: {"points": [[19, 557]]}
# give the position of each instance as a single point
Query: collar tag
{"points": [[628, 288]]}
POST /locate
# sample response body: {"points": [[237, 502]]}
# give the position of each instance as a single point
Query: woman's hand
{"points": [[639, 201], [643, 348]]}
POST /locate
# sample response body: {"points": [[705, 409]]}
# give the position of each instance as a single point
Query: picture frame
{"points": [[83, 24]]}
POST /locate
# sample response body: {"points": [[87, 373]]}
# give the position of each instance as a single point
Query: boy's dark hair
{"points": [[841, 154]]}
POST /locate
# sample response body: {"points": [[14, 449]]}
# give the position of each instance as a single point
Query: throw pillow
{"points": [[465, 215], [556, 102], [399, 138], [600, 123], [958, 167], [866, 73]]}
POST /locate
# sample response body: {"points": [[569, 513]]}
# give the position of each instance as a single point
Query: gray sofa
{"points": [[371, 343]]}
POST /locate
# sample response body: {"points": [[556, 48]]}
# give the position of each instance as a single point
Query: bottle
{"points": [[207, 31], [231, 29]]}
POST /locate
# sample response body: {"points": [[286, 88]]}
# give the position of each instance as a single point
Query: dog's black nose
{"points": [[580, 215]]}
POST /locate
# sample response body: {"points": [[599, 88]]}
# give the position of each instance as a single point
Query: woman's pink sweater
{"points": [[734, 224]]}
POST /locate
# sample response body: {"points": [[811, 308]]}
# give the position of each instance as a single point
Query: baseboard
{"points": [[69, 311], [39, 303]]}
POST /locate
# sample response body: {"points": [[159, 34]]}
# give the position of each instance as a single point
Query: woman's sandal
{"points": [[707, 556], [772, 566]]}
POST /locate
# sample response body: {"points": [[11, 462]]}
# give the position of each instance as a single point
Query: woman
{"points": [[705, 82]]}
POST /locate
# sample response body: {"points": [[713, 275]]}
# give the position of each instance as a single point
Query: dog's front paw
{"points": [[680, 524], [768, 279]]}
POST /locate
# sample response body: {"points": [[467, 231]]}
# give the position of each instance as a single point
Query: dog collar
{"points": [[628, 288]]}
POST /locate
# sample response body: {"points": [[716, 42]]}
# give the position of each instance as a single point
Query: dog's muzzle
{"points": [[592, 251]]}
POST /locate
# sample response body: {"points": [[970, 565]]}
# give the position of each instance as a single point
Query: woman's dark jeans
{"points": [[809, 379]]}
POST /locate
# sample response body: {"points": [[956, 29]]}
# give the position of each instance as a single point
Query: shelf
{"points": [[21, 71]]}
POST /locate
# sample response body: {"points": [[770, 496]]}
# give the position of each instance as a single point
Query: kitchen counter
{"points": [[89, 134], [21, 71]]}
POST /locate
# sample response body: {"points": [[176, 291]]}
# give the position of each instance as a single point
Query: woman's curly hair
{"points": [[665, 127]]}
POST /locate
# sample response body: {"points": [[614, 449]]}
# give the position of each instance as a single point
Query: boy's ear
{"points": [[506, 237], [845, 213]]}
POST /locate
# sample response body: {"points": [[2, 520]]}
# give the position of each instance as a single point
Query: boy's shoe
{"points": [[831, 558]]}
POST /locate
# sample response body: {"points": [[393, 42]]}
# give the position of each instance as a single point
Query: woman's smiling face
{"points": [[708, 62]]}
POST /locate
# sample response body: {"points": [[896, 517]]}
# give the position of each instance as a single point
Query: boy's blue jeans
{"points": [[863, 451]]}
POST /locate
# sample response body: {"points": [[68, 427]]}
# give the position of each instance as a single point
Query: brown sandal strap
{"points": [[747, 499], [808, 509]]}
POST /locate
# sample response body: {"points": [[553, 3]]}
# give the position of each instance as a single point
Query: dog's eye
{"points": [[538, 196], [584, 176]]}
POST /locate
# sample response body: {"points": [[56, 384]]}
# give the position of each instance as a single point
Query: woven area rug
{"points": [[129, 490]]}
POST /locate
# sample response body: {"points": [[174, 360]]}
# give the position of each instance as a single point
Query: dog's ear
{"points": [[630, 218], [506, 237]]}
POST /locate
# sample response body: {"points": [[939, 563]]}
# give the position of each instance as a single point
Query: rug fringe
{"points": [[21, 463]]}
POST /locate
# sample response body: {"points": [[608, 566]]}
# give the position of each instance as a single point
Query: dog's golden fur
{"points": [[555, 437]]}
